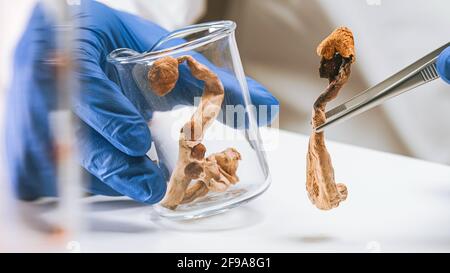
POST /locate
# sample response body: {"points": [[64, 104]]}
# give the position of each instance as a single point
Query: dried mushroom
{"points": [[214, 173], [337, 52]]}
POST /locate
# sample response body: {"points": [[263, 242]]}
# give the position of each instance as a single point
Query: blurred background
{"points": [[277, 41]]}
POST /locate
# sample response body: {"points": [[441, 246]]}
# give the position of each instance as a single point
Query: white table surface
{"points": [[395, 203]]}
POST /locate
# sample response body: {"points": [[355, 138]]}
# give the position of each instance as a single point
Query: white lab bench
{"points": [[395, 203]]}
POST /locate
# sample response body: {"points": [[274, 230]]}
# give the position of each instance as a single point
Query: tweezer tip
{"points": [[319, 128]]}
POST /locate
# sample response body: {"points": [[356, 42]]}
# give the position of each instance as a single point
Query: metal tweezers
{"points": [[418, 73]]}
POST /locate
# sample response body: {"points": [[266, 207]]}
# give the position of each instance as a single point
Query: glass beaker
{"points": [[206, 107]]}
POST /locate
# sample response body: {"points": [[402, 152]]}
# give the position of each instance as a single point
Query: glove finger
{"points": [[96, 186], [136, 177], [266, 105], [105, 108]]}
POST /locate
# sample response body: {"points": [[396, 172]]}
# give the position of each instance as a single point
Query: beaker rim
{"points": [[223, 28]]}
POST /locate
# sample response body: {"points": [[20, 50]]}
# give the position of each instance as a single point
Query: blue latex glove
{"points": [[443, 65], [114, 136]]}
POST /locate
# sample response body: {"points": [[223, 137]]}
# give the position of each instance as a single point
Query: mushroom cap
{"points": [[228, 160], [163, 75], [339, 41]]}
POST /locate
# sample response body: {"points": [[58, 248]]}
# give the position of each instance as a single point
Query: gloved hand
{"points": [[443, 65], [114, 136]]}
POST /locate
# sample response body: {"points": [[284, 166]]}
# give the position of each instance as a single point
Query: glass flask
{"points": [[196, 110]]}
